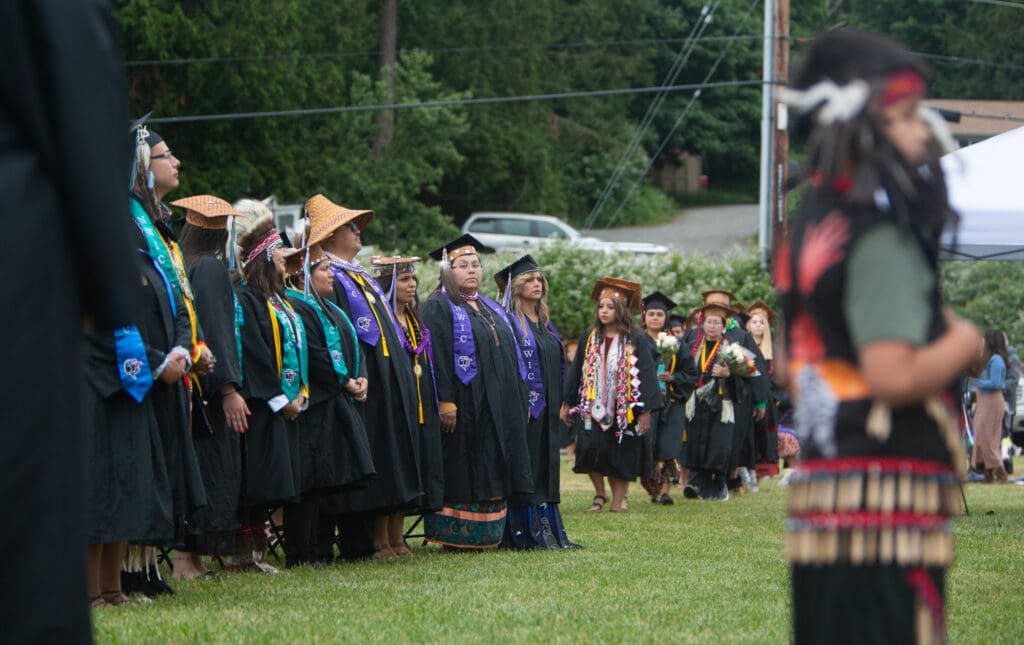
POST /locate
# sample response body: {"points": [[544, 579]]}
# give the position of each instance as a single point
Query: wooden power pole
{"points": [[780, 154]]}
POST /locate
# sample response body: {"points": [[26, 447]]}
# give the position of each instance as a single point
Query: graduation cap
{"points": [[525, 264], [716, 309], [721, 296], [675, 320], [207, 211], [463, 245], [295, 258], [325, 217], [625, 291], [658, 300], [761, 307], [385, 266]]}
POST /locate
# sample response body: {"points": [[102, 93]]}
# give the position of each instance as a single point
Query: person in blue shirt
{"points": [[988, 416]]}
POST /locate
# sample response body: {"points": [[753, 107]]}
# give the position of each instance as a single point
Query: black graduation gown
{"points": [[270, 465], [166, 328], [709, 441], [543, 436], [333, 445], [748, 392], [218, 447], [389, 414], [431, 452], [130, 488], [64, 159], [669, 423], [599, 450], [486, 456]]}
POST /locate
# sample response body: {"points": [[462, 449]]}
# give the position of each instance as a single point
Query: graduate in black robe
{"points": [[219, 412], [713, 411], [751, 393], [535, 521], [483, 403], [273, 389], [615, 404], [63, 162], [676, 378], [130, 490], [402, 294], [369, 516], [333, 444], [154, 175]]}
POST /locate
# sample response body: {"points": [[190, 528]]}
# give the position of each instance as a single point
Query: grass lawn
{"points": [[696, 571]]}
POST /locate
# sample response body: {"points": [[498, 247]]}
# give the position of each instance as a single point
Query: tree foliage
{"points": [[554, 156]]}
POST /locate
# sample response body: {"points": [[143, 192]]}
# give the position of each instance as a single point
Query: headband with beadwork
{"points": [[270, 241]]}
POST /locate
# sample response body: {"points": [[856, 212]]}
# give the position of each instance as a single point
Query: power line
{"points": [[1001, 3], [706, 15], [156, 62], [451, 102], [679, 121], [956, 59]]}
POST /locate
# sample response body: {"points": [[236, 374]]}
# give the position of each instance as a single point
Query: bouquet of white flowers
{"points": [[739, 359], [667, 347]]}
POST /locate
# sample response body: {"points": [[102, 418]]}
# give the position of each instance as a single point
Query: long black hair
{"points": [[197, 242], [917, 194], [261, 273]]}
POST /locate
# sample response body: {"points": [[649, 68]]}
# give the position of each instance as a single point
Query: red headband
{"points": [[270, 241], [901, 85]]}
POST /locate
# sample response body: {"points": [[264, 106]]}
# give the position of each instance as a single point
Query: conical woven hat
{"points": [[325, 217]]}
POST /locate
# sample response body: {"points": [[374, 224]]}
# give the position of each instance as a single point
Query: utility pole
{"points": [[774, 121], [780, 156], [765, 193]]}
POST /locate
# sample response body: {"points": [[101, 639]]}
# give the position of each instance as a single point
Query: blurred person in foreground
{"points": [[63, 163], [871, 351]]}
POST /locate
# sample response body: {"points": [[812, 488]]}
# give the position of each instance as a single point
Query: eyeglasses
{"points": [[352, 226], [162, 155], [475, 266]]}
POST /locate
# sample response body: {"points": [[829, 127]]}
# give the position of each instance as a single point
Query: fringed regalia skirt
{"points": [[869, 539]]}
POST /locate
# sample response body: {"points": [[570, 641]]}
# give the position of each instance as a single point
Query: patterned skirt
{"points": [[476, 525], [869, 539]]}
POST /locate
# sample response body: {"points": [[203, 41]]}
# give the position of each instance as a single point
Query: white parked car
{"points": [[523, 231]]}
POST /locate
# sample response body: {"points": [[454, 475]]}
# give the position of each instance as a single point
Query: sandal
{"points": [[596, 506], [116, 598], [97, 601]]}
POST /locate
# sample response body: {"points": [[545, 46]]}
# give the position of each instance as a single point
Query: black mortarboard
{"points": [[675, 320], [525, 264], [658, 300], [462, 245]]}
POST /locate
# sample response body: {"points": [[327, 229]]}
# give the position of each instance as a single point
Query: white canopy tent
{"points": [[986, 186]]}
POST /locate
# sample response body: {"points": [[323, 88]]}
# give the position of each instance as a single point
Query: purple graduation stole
{"points": [[534, 376], [463, 347], [362, 316]]}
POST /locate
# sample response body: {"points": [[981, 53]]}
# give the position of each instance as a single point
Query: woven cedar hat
{"points": [[760, 306], [294, 258], [617, 289], [714, 308], [207, 211], [384, 266], [721, 296], [325, 217]]}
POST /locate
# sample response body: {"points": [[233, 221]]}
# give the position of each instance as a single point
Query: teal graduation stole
{"points": [[332, 335], [289, 348], [162, 251]]}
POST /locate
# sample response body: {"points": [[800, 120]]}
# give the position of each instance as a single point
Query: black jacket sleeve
{"points": [[436, 316], [215, 309], [260, 379]]}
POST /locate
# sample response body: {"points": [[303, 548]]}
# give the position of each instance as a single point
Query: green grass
{"points": [[691, 572]]}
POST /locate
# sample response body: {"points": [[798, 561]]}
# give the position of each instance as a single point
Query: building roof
{"points": [[980, 127]]}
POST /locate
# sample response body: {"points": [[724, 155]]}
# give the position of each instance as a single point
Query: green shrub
{"points": [[572, 272]]}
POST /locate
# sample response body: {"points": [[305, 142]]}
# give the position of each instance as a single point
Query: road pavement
{"points": [[709, 229]]}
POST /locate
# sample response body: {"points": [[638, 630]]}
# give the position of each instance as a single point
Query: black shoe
{"points": [[154, 585], [666, 500], [690, 492]]}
